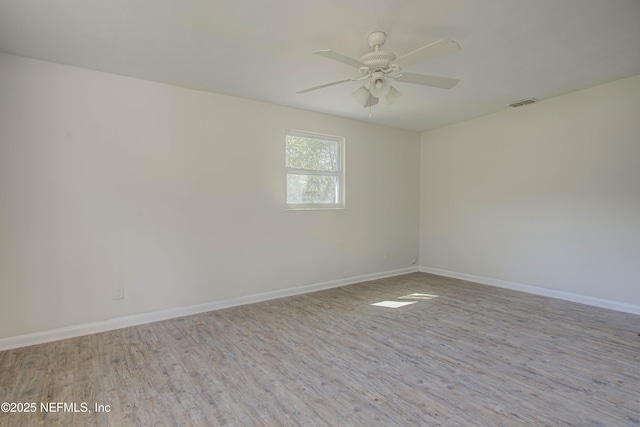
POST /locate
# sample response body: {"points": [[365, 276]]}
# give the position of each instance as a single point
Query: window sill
{"points": [[313, 207]]}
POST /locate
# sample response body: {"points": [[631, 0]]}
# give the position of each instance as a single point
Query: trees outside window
{"points": [[315, 171]]}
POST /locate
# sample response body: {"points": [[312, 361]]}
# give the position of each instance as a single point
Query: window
{"points": [[315, 171]]}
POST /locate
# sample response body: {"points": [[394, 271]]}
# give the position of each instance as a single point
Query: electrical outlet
{"points": [[386, 256], [414, 261], [118, 293]]}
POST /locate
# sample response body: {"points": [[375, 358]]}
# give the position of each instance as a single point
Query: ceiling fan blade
{"points": [[430, 51], [427, 80], [328, 53], [324, 85]]}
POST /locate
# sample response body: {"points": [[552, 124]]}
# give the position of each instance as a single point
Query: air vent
{"points": [[523, 102]]}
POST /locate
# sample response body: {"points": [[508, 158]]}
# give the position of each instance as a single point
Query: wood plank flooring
{"points": [[472, 356]]}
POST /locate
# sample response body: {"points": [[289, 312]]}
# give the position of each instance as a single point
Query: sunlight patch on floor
{"points": [[398, 304], [393, 304]]}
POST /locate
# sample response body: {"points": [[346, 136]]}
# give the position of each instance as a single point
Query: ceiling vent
{"points": [[523, 102]]}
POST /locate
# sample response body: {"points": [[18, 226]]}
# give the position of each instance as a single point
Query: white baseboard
{"points": [[139, 319], [568, 296]]}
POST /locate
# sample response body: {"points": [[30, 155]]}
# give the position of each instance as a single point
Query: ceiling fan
{"points": [[377, 68]]}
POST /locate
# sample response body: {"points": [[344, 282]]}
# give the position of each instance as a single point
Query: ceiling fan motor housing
{"points": [[379, 59]]}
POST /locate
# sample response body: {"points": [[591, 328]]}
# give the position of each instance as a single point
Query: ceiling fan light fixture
{"points": [[362, 95], [393, 95], [379, 85]]}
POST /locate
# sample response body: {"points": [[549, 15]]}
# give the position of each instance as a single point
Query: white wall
{"points": [[546, 195], [176, 194]]}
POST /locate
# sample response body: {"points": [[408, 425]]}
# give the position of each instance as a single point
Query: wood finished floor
{"points": [[473, 356]]}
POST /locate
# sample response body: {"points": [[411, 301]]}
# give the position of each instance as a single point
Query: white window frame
{"points": [[339, 174]]}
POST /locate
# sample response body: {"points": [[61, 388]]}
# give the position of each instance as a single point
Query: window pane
{"points": [[313, 154], [303, 189]]}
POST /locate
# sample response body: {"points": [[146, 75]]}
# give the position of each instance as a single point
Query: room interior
{"points": [[142, 182]]}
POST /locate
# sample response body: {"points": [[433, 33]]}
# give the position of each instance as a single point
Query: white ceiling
{"points": [[259, 49]]}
